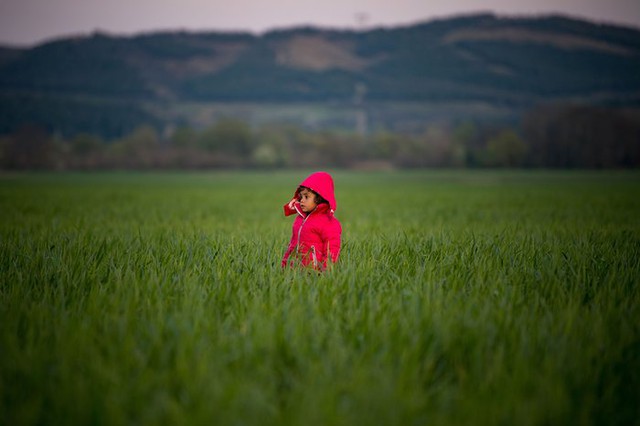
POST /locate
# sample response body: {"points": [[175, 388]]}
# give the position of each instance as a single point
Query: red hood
{"points": [[321, 183]]}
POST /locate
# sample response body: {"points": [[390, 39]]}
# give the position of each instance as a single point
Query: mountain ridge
{"points": [[500, 61]]}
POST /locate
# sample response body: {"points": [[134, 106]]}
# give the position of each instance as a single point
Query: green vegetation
{"points": [[556, 137], [460, 298], [100, 83]]}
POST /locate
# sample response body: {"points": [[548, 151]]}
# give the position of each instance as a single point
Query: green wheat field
{"points": [[461, 297]]}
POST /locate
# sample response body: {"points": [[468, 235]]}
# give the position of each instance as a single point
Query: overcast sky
{"points": [[28, 22]]}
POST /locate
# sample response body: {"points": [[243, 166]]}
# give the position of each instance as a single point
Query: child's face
{"points": [[307, 200]]}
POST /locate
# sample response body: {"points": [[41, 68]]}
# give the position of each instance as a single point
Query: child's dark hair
{"points": [[319, 199]]}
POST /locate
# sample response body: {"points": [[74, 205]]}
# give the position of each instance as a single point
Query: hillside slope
{"points": [[512, 63]]}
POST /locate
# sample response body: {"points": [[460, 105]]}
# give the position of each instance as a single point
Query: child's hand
{"points": [[292, 202]]}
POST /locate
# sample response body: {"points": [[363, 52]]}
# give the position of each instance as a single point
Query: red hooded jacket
{"points": [[315, 237]]}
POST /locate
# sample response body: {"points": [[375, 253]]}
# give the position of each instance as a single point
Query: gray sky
{"points": [[28, 22]]}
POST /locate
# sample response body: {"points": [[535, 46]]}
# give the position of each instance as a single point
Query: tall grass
{"points": [[459, 298]]}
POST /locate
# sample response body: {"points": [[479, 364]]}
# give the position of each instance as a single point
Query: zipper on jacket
{"points": [[300, 231]]}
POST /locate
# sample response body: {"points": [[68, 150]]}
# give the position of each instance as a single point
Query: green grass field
{"points": [[460, 298]]}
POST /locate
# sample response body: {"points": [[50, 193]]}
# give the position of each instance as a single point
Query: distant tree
{"points": [[230, 140], [438, 147], [230, 136], [5, 146], [183, 137], [84, 151], [582, 136], [506, 149], [273, 148], [341, 149], [410, 152], [139, 149], [265, 155], [29, 147], [384, 146], [84, 144], [183, 150], [304, 150], [464, 137]]}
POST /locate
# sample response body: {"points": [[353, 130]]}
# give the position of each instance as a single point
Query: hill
{"points": [[480, 66]]}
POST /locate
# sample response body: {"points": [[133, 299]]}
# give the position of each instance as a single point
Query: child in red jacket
{"points": [[315, 238]]}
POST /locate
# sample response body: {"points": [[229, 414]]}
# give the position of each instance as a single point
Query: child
{"points": [[315, 239]]}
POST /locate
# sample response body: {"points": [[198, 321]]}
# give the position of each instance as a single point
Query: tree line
{"points": [[548, 136]]}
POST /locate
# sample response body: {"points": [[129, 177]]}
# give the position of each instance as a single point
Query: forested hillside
{"points": [[490, 67]]}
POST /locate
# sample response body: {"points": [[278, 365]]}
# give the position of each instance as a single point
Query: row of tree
{"points": [[548, 137]]}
